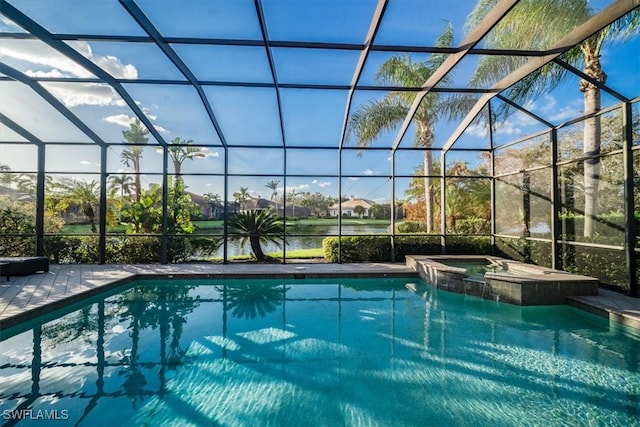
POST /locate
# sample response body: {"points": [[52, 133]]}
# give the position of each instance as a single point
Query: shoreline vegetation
{"points": [[205, 227]]}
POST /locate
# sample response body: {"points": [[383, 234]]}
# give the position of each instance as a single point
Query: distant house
{"points": [[348, 208], [258, 204], [208, 210]]}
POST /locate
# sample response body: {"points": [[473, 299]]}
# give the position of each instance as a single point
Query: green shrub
{"points": [[469, 245], [607, 265], [523, 250], [72, 249], [473, 226], [358, 248], [378, 248], [140, 250], [416, 245], [608, 225], [179, 249], [17, 232], [203, 247], [411, 227]]}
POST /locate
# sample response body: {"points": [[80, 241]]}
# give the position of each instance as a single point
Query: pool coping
{"points": [[27, 297], [526, 285]]}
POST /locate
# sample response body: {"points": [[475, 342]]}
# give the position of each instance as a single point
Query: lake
{"points": [[304, 237]]}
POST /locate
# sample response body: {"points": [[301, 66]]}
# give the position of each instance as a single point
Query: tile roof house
{"points": [[348, 207]]}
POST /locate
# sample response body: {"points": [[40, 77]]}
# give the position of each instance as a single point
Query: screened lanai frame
{"points": [[174, 50]]}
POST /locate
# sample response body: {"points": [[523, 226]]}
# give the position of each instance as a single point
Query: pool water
{"points": [[316, 352]]}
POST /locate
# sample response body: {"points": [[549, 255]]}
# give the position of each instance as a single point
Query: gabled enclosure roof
{"points": [[254, 73]]}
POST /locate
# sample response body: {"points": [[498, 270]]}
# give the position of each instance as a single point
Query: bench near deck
{"points": [[22, 266]]}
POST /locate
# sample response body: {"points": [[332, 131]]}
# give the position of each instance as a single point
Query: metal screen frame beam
{"points": [[478, 33], [575, 37], [146, 25], [46, 37], [41, 146], [272, 66], [53, 101], [364, 54]]}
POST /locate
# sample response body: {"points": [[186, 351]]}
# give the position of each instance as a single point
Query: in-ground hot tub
{"points": [[501, 279]]}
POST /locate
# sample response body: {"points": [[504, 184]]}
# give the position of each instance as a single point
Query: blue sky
{"points": [[247, 115]]}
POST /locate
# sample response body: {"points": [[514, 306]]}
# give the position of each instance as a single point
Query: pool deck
{"points": [[25, 297]]}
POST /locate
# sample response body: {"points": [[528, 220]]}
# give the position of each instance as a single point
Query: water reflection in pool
{"points": [[318, 352]]}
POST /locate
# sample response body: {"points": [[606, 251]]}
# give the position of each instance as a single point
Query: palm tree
{"points": [[242, 196], [120, 183], [273, 185], [26, 185], [212, 198], [249, 301], [214, 201], [257, 227], [292, 195], [539, 24], [6, 177], [136, 134], [377, 117], [179, 152], [84, 194]]}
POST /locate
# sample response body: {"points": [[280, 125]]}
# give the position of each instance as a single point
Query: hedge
{"points": [[378, 248]]}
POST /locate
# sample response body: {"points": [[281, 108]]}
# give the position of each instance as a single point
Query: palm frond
{"points": [[375, 118], [445, 39]]}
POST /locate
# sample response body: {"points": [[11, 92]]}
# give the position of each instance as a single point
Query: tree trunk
{"points": [[425, 140], [591, 145], [256, 248], [428, 193], [138, 185]]}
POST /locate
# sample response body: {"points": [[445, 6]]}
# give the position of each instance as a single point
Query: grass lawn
{"points": [[86, 229], [300, 253], [297, 254]]}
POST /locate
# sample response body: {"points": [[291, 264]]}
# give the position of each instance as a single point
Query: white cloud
{"points": [[85, 162], [508, 127], [72, 95], [161, 129], [297, 187], [53, 73], [564, 114], [205, 151], [124, 121], [119, 119], [552, 113], [10, 26], [109, 63], [47, 62], [353, 179], [479, 130], [321, 184], [369, 172], [38, 53]]}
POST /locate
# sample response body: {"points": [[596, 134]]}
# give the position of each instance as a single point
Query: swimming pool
{"points": [[316, 352]]}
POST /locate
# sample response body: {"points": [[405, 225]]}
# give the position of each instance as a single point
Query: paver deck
{"points": [[27, 297]]}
